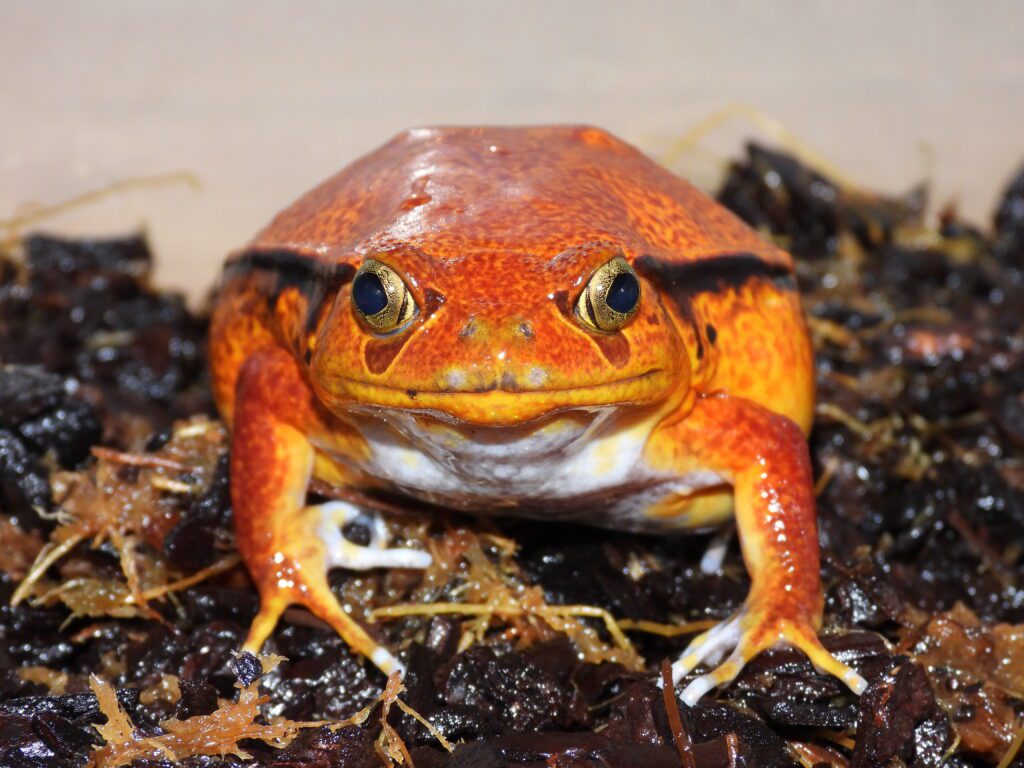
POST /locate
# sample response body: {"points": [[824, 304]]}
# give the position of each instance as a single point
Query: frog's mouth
{"points": [[501, 407], [479, 452]]}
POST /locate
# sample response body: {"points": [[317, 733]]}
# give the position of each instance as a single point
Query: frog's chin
{"points": [[498, 407]]}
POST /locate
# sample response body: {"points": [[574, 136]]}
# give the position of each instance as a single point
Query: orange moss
{"points": [[986, 663], [20, 548], [132, 501], [216, 734]]}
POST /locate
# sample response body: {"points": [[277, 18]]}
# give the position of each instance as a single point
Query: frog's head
{"points": [[502, 274], [495, 337]]}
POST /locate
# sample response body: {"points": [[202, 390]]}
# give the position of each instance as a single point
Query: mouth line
{"points": [[497, 388]]}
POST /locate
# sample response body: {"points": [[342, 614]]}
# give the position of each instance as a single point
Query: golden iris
{"points": [[381, 297], [610, 298]]}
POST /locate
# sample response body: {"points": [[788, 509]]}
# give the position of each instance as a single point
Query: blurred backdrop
{"points": [[261, 99]]}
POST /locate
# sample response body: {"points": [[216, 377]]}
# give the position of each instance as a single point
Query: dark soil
{"points": [[919, 443]]}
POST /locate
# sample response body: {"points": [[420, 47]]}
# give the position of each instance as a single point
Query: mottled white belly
{"points": [[582, 466]]}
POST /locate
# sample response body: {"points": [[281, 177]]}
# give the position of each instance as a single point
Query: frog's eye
{"points": [[610, 298], [381, 298]]}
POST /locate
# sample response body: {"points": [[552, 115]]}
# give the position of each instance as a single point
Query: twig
{"points": [[1015, 746], [679, 735], [139, 460]]}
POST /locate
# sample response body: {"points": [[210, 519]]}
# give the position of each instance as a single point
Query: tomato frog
{"points": [[530, 321]]}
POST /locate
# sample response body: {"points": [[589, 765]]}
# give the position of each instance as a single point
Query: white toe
{"points": [[338, 513], [720, 676], [385, 661], [356, 558], [718, 547], [710, 647], [339, 552], [695, 691], [379, 536]]}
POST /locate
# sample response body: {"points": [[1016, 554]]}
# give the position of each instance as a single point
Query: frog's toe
{"points": [[345, 554], [303, 580], [748, 637], [806, 639], [739, 634], [341, 513], [708, 647], [719, 676], [718, 547], [291, 565], [339, 552], [271, 608]]}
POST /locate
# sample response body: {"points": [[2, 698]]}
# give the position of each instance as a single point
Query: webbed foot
{"points": [[304, 554], [746, 634], [765, 457]]}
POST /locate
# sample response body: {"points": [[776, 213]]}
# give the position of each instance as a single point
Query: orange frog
{"points": [[539, 322]]}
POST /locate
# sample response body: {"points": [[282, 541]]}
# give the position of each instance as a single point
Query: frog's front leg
{"points": [[287, 546], [764, 456]]}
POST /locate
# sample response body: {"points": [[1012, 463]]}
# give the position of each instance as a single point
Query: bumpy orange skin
{"points": [[496, 231]]}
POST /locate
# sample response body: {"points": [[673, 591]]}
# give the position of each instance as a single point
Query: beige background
{"points": [[263, 99]]}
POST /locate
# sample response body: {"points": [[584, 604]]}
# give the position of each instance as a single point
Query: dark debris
{"points": [[42, 415], [920, 436], [85, 309]]}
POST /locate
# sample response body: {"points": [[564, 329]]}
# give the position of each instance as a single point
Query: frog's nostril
{"points": [[456, 378], [470, 329], [537, 377], [517, 328], [525, 330]]}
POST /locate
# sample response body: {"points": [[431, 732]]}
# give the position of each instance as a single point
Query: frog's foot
{"points": [[342, 553], [289, 547], [303, 556], [746, 634]]}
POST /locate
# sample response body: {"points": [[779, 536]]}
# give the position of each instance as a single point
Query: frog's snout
{"points": [[473, 379], [499, 365]]}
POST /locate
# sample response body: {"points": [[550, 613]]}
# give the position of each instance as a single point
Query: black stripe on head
{"points": [[681, 281], [314, 279], [714, 273]]}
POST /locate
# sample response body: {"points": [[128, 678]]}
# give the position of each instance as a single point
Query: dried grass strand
{"points": [[486, 611], [774, 128], [1011, 753], [48, 555], [40, 213]]}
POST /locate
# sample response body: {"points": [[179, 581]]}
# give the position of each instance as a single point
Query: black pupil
{"points": [[368, 293], [624, 292]]}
